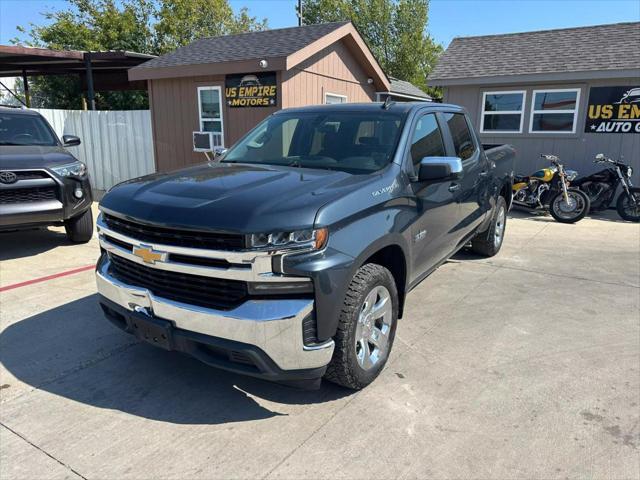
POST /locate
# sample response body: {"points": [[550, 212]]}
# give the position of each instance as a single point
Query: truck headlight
{"points": [[75, 169], [314, 239], [629, 172]]}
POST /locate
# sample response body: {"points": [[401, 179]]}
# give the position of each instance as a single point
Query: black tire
{"points": [[80, 229], [344, 368], [624, 209], [489, 242], [579, 196]]}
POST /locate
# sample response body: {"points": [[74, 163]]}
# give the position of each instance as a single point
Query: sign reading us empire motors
{"points": [[252, 90], [613, 110]]}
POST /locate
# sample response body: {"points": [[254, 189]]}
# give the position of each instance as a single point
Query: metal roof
{"points": [[567, 53], [17, 59], [244, 46]]}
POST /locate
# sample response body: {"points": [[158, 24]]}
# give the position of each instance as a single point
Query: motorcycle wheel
{"points": [[626, 209], [576, 209]]}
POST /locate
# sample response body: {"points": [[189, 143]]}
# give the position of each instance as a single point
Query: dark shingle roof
{"points": [[244, 46], [405, 88], [582, 49]]}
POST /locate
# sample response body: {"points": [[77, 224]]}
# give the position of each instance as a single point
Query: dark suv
{"points": [[41, 183]]}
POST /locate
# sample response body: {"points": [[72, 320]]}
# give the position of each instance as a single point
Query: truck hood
{"points": [[230, 197], [14, 157]]}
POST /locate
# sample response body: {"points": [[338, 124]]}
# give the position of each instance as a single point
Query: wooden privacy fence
{"points": [[116, 145]]}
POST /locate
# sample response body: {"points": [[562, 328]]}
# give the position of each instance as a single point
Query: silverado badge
{"points": [[149, 255]]}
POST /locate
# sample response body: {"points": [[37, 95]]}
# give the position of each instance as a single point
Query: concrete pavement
{"points": [[526, 365]]}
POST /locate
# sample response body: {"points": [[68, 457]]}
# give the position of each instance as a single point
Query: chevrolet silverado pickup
{"points": [[41, 183], [291, 257]]}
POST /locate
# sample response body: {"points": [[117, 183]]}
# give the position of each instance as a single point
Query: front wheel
{"points": [[627, 208], [573, 210], [366, 328], [80, 229]]}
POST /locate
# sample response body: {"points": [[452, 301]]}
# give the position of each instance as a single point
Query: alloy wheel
{"points": [[373, 328]]}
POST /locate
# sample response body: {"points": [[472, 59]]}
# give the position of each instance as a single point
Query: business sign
{"points": [[251, 90], [613, 110]]}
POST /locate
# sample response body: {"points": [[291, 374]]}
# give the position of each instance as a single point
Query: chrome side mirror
{"points": [[440, 168]]}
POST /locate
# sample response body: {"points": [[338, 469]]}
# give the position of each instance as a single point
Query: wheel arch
{"points": [[394, 259], [507, 193]]}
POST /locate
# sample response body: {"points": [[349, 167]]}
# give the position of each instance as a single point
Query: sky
{"points": [[447, 18]]}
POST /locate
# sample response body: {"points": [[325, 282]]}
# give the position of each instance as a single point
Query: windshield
{"points": [[20, 129], [352, 142]]}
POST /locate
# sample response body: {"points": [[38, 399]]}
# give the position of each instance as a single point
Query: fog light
{"points": [[78, 193]]}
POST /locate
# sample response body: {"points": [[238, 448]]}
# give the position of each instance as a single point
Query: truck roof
{"points": [[397, 107]]}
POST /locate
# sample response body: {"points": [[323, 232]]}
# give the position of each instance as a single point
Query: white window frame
{"points": [[574, 111], [221, 120], [503, 112], [337, 95]]}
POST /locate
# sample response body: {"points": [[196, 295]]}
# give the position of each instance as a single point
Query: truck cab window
{"points": [[426, 140], [461, 134]]}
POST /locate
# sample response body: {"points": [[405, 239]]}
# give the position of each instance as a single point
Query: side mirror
{"points": [[219, 151], [70, 140], [440, 168]]}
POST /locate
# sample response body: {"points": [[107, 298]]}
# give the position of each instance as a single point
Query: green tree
{"points": [[395, 31], [144, 26], [180, 22]]}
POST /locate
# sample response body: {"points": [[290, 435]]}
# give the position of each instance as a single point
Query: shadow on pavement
{"points": [[74, 352], [608, 215], [26, 243]]}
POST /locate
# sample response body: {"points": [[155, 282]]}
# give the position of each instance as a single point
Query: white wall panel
{"points": [[116, 145]]}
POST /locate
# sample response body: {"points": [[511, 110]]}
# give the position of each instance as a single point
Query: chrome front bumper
{"points": [[274, 326]]}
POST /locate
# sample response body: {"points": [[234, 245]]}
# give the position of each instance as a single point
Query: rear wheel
{"points": [[489, 242], [80, 229], [366, 328], [627, 208], [573, 210]]}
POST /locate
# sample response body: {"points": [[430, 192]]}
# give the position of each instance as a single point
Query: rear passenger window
{"points": [[427, 140], [462, 139]]}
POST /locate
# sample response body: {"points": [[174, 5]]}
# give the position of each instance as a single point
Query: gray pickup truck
{"points": [[291, 257]]}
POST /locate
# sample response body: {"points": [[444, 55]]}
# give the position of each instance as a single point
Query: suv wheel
{"points": [[80, 229], [366, 328]]}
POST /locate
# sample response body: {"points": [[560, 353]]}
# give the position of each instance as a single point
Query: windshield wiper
{"points": [[10, 143]]}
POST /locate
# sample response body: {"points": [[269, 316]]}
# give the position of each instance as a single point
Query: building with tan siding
{"points": [[227, 84]]}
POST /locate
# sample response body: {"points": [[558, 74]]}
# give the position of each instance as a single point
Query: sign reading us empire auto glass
{"points": [[251, 90], [613, 110]]}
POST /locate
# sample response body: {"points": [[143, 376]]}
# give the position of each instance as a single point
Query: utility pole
{"points": [[299, 13]]}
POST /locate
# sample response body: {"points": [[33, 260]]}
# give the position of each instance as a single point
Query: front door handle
{"points": [[454, 186]]}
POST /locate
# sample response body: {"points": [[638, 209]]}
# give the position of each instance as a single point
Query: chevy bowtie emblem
{"points": [[149, 255]]}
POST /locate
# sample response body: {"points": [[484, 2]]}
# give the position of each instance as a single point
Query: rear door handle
{"points": [[454, 186]]}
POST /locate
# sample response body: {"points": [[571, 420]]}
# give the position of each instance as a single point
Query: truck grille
{"points": [[27, 195], [31, 175], [206, 292], [177, 237]]}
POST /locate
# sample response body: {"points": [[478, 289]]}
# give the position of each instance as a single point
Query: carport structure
{"points": [[98, 71]]}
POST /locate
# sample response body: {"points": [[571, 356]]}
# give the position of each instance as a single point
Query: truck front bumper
{"points": [[262, 338]]}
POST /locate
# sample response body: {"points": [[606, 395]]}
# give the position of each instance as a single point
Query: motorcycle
{"points": [[601, 188], [548, 190]]}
